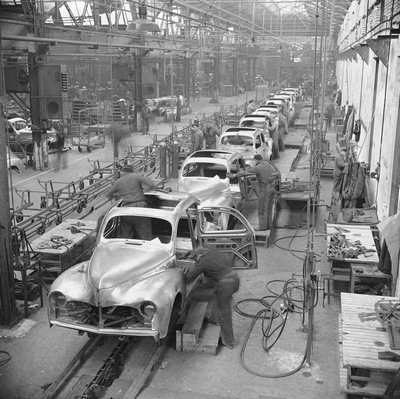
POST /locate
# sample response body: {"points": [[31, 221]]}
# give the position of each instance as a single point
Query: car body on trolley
{"points": [[134, 283]]}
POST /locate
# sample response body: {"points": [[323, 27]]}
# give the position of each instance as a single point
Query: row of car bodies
{"points": [[134, 283], [284, 100]]}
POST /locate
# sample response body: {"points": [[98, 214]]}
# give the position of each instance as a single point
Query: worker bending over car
{"points": [[219, 284], [130, 188]]}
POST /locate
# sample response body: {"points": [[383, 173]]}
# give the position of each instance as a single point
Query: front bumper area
{"points": [[132, 332]]}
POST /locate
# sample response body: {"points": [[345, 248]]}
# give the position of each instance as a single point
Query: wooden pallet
{"points": [[196, 334]]}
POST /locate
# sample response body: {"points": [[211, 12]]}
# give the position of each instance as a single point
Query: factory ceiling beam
{"points": [[250, 28], [118, 46]]}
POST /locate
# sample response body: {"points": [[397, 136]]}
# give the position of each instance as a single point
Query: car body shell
{"points": [[254, 120], [276, 101], [133, 285], [14, 162], [287, 98], [267, 110], [204, 174], [290, 96], [297, 90], [251, 141], [20, 132], [292, 92], [289, 106]]}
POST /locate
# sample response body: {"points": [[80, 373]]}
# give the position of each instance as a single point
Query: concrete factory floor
{"points": [[39, 354]]}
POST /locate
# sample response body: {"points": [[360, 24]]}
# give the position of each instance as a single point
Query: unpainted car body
{"points": [[248, 142], [13, 162], [288, 108], [291, 97], [266, 110], [133, 284], [260, 121], [20, 132], [203, 174], [297, 90], [293, 92]]}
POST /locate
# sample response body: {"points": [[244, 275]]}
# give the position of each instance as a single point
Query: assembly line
{"points": [[200, 199]]}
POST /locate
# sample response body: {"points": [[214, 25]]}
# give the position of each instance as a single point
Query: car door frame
{"points": [[241, 243]]}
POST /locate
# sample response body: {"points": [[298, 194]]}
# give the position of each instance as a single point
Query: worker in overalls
{"points": [[219, 284], [130, 188]]}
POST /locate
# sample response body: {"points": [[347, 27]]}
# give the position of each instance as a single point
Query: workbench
{"points": [[61, 247], [352, 234], [362, 336], [343, 267]]}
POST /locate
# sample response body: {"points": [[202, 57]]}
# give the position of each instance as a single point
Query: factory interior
{"points": [[201, 199]]}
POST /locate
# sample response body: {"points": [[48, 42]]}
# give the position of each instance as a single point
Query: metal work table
{"points": [[343, 267], [62, 247], [352, 234]]}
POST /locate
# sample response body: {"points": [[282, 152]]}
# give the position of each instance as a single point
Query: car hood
{"points": [[237, 148], [25, 131], [202, 187], [116, 263]]}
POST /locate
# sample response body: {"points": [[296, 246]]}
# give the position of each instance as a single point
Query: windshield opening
{"points": [[204, 170], [237, 140], [138, 227]]}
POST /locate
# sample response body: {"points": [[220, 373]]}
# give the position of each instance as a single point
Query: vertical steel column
{"points": [[8, 310], [186, 92], [235, 77], [138, 87], [216, 80], [35, 110]]}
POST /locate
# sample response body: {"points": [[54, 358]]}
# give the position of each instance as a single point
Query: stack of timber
{"points": [[197, 335]]}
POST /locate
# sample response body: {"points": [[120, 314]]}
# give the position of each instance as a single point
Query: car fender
{"points": [[73, 284]]}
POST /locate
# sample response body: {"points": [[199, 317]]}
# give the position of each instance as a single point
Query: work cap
{"points": [[258, 157], [127, 168]]}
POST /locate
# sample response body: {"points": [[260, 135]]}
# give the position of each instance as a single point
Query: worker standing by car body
{"points": [[146, 112], [273, 132], [219, 284], [282, 129], [197, 137], [266, 175], [340, 164], [130, 188], [210, 133]]}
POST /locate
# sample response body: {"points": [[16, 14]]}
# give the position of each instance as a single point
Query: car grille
{"points": [[112, 316]]}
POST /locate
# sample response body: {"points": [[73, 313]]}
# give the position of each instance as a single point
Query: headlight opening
{"points": [[148, 309]]}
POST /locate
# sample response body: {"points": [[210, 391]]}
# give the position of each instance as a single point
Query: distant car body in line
{"points": [[19, 132], [248, 142], [204, 174]]}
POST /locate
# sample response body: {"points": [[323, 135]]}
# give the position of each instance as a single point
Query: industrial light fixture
{"points": [[143, 24]]}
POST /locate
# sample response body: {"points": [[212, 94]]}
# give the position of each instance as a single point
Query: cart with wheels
{"points": [[89, 132]]}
